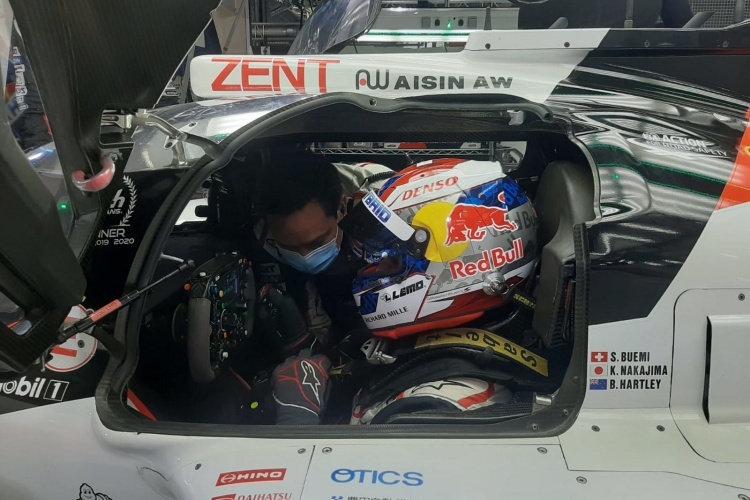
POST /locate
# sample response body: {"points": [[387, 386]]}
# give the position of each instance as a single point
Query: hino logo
{"points": [[383, 80], [404, 291], [250, 476]]}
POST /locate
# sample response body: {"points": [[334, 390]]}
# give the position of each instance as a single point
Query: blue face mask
{"points": [[316, 261]]}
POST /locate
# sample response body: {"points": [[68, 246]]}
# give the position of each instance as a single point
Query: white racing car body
{"points": [[651, 296]]}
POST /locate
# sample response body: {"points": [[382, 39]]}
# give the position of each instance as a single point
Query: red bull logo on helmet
{"points": [[491, 260], [470, 222]]}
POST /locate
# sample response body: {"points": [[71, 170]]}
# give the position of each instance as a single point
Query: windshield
{"points": [[362, 26], [334, 23]]}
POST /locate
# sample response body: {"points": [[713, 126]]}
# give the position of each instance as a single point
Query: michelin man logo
{"points": [[87, 493]]}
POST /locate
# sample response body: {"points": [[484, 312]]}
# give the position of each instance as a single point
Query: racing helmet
{"points": [[444, 240]]}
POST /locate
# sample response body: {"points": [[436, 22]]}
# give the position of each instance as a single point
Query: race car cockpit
{"points": [[464, 292]]}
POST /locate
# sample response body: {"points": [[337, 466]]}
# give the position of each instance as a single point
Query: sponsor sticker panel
{"points": [[626, 371], [259, 473], [421, 471], [398, 303]]}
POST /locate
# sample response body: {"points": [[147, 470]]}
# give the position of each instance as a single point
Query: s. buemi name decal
{"points": [[626, 370], [377, 80], [491, 260]]}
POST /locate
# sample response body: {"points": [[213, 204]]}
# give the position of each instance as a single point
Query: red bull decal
{"points": [[430, 188], [491, 260], [470, 222]]}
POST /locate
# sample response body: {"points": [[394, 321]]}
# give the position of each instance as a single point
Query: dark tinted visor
{"points": [[390, 266]]}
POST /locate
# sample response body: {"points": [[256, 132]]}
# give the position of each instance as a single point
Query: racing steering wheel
{"points": [[221, 310]]}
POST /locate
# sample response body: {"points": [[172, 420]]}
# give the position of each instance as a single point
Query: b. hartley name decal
{"points": [[625, 370], [384, 80]]}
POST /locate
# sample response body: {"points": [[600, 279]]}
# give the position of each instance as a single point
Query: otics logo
{"points": [[39, 388], [387, 477], [250, 476], [403, 291]]}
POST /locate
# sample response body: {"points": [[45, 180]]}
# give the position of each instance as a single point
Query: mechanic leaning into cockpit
{"points": [[305, 266]]}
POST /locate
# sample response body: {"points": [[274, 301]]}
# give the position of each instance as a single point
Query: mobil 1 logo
{"points": [[38, 388]]}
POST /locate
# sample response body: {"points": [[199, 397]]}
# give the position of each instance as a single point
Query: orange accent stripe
{"points": [[737, 190], [140, 406]]}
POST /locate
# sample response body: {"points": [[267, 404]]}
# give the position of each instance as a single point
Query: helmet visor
{"points": [[375, 225]]}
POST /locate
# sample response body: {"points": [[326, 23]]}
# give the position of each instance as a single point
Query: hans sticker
{"points": [[122, 209]]}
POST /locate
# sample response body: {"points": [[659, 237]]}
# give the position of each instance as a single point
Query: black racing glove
{"points": [[301, 388], [279, 315]]}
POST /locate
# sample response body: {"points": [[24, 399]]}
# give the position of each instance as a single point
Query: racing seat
{"points": [[565, 197]]}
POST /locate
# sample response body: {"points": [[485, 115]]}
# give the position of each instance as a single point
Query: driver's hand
{"points": [[301, 388], [279, 315]]}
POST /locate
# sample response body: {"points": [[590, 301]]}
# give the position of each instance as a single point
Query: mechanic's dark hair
{"points": [[292, 181]]}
